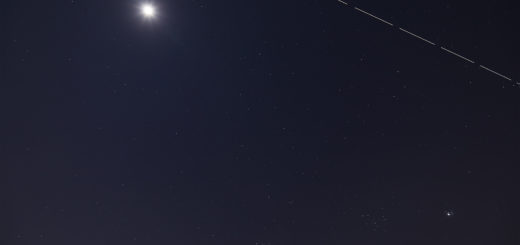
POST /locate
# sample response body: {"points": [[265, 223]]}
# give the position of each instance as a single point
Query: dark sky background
{"points": [[258, 122]]}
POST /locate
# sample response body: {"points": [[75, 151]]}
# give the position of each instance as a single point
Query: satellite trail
{"points": [[430, 42]]}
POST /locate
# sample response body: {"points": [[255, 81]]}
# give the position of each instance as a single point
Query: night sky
{"points": [[259, 123]]}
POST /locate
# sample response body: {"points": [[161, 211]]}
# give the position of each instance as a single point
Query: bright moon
{"points": [[148, 10]]}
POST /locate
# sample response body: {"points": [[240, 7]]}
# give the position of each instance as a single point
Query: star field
{"points": [[259, 122]]}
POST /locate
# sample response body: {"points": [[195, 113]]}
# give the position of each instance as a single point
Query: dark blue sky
{"points": [[259, 122]]}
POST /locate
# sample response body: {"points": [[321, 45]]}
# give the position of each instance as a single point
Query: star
{"points": [[449, 213]]}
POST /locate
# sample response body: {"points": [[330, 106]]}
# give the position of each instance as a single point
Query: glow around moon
{"points": [[148, 10]]}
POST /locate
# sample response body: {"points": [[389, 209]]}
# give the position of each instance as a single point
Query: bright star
{"points": [[449, 213], [148, 10]]}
